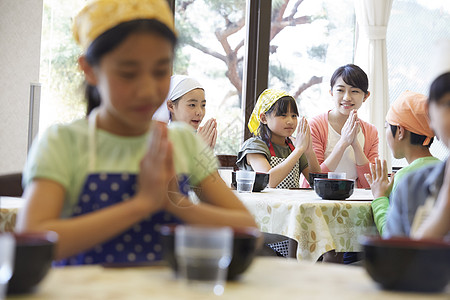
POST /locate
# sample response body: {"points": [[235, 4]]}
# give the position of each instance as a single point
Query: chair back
{"points": [[228, 161], [11, 185]]}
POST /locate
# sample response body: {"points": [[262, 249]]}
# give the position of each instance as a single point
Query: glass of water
{"points": [[7, 251], [337, 175], [203, 255], [245, 181]]}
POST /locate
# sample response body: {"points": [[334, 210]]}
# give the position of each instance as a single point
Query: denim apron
{"points": [[292, 180], [141, 242]]}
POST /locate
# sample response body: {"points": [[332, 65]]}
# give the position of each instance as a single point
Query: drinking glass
{"points": [[337, 175], [245, 181], [203, 255]]}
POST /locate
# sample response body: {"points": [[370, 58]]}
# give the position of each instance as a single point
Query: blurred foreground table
{"points": [[9, 207], [267, 278], [317, 225]]}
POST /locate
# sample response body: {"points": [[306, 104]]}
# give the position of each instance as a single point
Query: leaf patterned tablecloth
{"points": [[9, 207], [317, 225]]}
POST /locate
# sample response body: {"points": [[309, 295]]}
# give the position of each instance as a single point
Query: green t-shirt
{"points": [[258, 146], [380, 206], [61, 155]]}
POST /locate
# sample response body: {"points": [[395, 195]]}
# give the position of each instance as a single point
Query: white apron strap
{"points": [[92, 124]]}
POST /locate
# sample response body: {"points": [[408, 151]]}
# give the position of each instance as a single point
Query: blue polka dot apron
{"points": [[141, 242], [292, 180]]}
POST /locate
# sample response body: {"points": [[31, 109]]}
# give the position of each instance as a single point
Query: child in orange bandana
{"points": [[428, 187], [409, 136]]}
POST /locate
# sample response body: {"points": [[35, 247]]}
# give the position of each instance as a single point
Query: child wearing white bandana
{"points": [[186, 103]]}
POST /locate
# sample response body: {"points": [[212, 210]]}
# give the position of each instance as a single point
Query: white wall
{"points": [[20, 44]]}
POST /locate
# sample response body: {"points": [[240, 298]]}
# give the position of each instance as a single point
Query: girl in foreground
{"points": [[106, 183]]}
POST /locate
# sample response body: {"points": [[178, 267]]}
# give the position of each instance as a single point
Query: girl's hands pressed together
{"points": [[378, 179], [303, 138], [156, 169], [208, 132]]}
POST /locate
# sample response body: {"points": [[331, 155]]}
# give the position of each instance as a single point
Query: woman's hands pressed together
{"points": [[350, 129]]}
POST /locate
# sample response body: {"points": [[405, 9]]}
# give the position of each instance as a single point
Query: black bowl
{"points": [[334, 189], [33, 259], [245, 246], [261, 181], [406, 264], [313, 175]]}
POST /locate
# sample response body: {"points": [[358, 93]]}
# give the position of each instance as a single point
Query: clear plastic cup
{"points": [[245, 181], [203, 256], [337, 175]]}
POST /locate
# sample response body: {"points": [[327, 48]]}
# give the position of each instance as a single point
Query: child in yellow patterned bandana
{"points": [[273, 149], [106, 183]]}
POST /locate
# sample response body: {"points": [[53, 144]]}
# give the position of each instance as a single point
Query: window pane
{"points": [[211, 50], [62, 97], [414, 26], [308, 42]]}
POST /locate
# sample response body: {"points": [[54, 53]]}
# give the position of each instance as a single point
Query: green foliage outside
{"points": [[62, 99]]}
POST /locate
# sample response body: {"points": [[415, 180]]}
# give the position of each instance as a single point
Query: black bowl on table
{"points": [[245, 246], [261, 181], [334, 189], [33, 258], [313, 175], [409, 265]]}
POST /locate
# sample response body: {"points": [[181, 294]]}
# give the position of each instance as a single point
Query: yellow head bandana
{"points": [[264, 103], [409, 111], [102, 15]]}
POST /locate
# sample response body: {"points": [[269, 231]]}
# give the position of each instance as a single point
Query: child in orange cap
{"points": [[409, 136], [426, 191]]}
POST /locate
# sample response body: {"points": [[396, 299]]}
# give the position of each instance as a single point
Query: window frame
{"points": [[256, 59]]}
